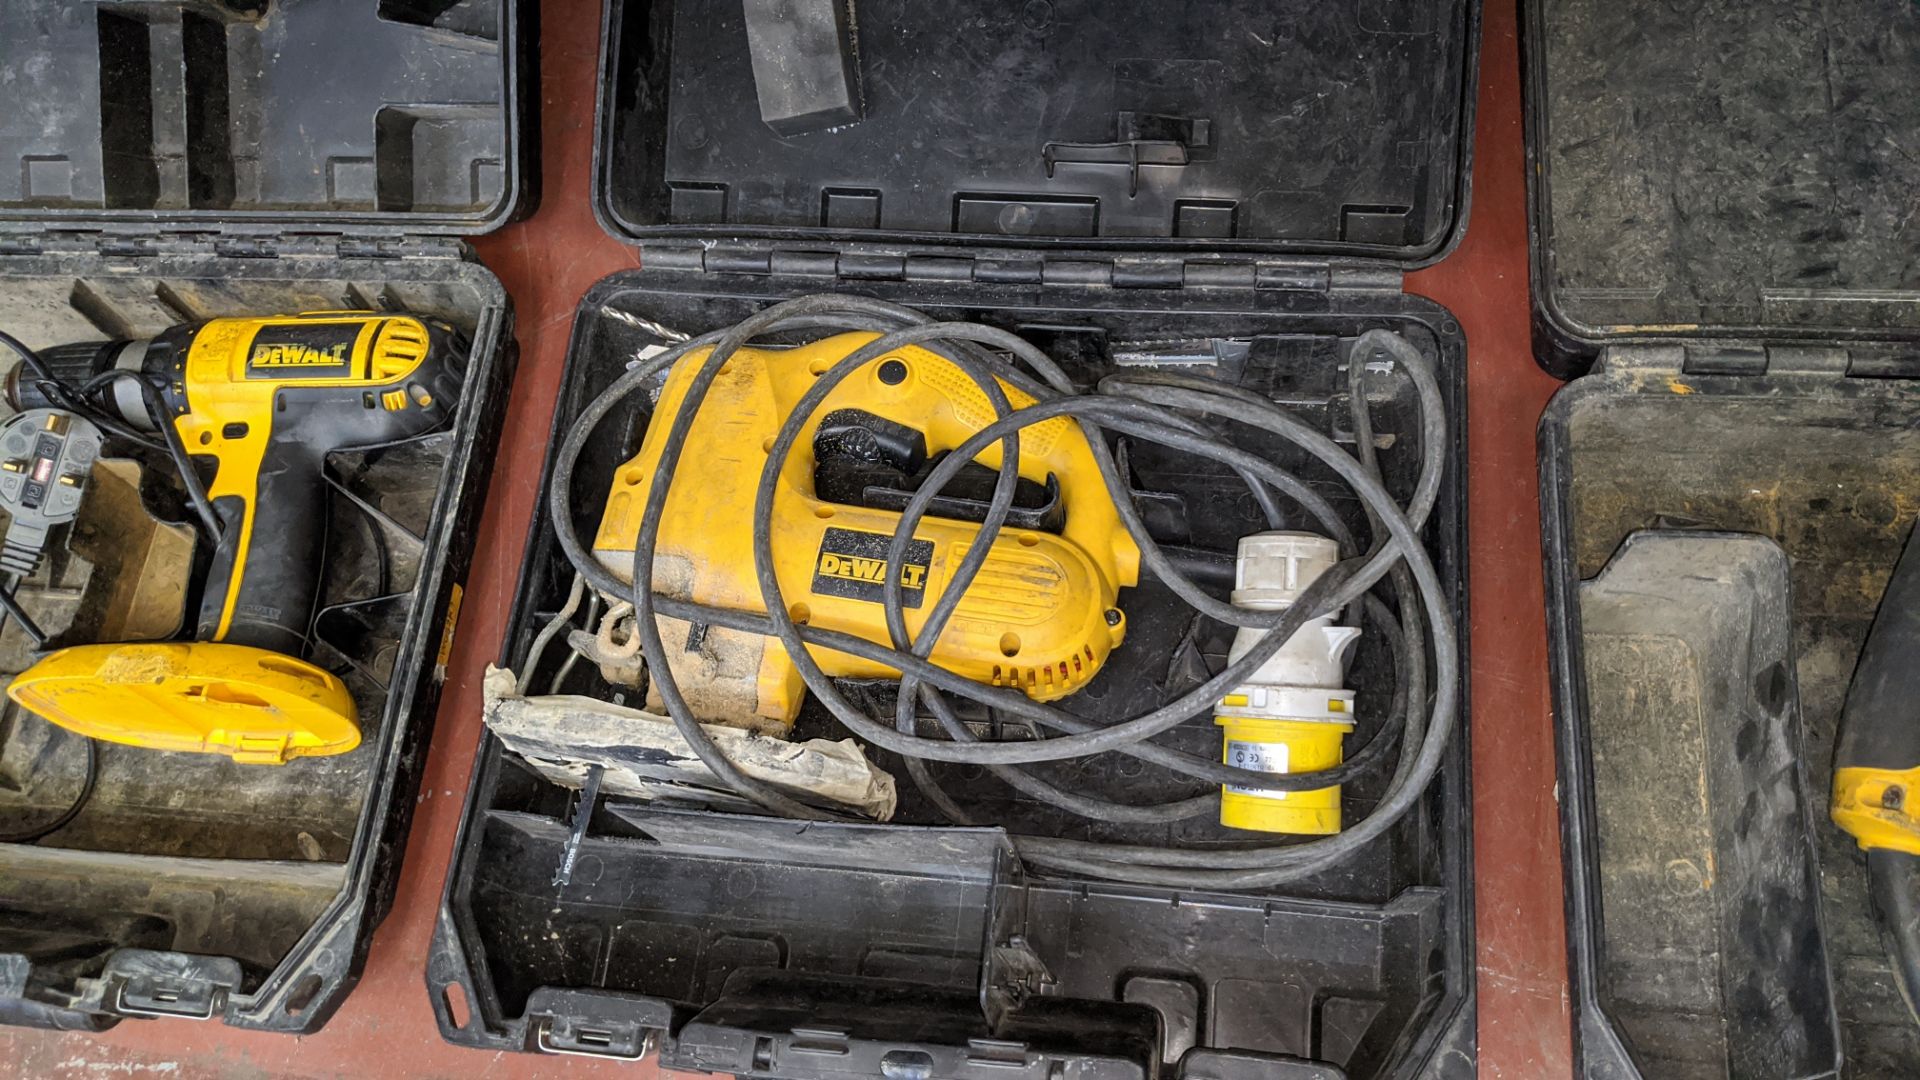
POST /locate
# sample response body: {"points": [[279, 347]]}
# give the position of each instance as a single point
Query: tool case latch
{"points": [[594, 1023], [144, 982], [811, 1026]]}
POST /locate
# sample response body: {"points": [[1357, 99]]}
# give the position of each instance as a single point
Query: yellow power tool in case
{"points": [[1040, 615], [1876, 769], [266, 399]]}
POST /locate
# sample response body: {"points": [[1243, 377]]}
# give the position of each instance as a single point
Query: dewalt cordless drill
{"points": [[265, 399]]}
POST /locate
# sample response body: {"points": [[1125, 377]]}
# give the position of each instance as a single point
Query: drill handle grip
{"points": [[261, 585]]}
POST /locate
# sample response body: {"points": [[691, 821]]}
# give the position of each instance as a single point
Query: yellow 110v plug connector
{"points": [[1294, 713]]}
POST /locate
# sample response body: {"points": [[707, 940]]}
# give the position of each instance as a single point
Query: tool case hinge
{"points": [[397, 247], [1814, 360], [1024, 268], [53, 242], [1365, 277], [1798, 360], [201, 243]]}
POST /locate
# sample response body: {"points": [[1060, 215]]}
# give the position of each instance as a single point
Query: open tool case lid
{"points": [[1725, 234], [175, 161], [262, 118], [1166, 175], [1728, 172], [1079, 143]]}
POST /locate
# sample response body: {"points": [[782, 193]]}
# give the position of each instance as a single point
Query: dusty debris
{"points": [[563, 735]]}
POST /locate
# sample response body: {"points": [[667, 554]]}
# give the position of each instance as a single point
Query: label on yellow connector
{"points": [[1259, 757], [1289, 747]]}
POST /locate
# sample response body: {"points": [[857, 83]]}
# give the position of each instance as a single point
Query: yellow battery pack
{"points": [[256, 706]]}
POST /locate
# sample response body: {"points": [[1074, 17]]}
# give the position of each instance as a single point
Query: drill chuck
{"points": [[73, 366]]}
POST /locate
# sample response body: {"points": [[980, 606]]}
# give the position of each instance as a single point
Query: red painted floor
{"points": [[547, 264]]}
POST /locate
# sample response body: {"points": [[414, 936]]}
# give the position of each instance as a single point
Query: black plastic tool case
{"points": [[1327, 151], [1724, 253], [169, 162]]}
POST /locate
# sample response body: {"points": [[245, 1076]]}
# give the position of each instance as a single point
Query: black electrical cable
{"points": [[1360, 762], [646, 626], [10, 605], [27, 356], [76, 404], [1032, 786], [573, 655], [1272, 866], [1087, 738], [605, 581], [75, 400], [1347, 584], [1020, 780], [552, 630], [182, 461], [36, 833], [1137, 406]]}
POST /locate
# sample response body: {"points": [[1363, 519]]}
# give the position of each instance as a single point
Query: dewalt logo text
{"points": [[303, 351], [853, 563], [858, 568], [290, 356]]}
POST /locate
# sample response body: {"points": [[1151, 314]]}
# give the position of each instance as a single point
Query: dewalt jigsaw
{"points": [[1041, 615]]}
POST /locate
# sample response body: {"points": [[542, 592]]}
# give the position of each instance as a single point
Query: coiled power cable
{"points": [[1150, 406]]}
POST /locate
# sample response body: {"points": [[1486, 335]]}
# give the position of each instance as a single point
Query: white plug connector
{"points": [[1293, 714]]}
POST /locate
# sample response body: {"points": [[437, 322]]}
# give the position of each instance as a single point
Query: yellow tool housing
{"points": [[235, 390], [258, 707], [1861, 805], [1039, 616]]}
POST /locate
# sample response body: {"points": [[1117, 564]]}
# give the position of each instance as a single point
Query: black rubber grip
{"points": [[1880, 726], [274, 599], [1893, 891]]}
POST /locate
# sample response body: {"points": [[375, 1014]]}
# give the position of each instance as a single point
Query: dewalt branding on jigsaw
{"points": [[263, 401], [841, 561]]}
